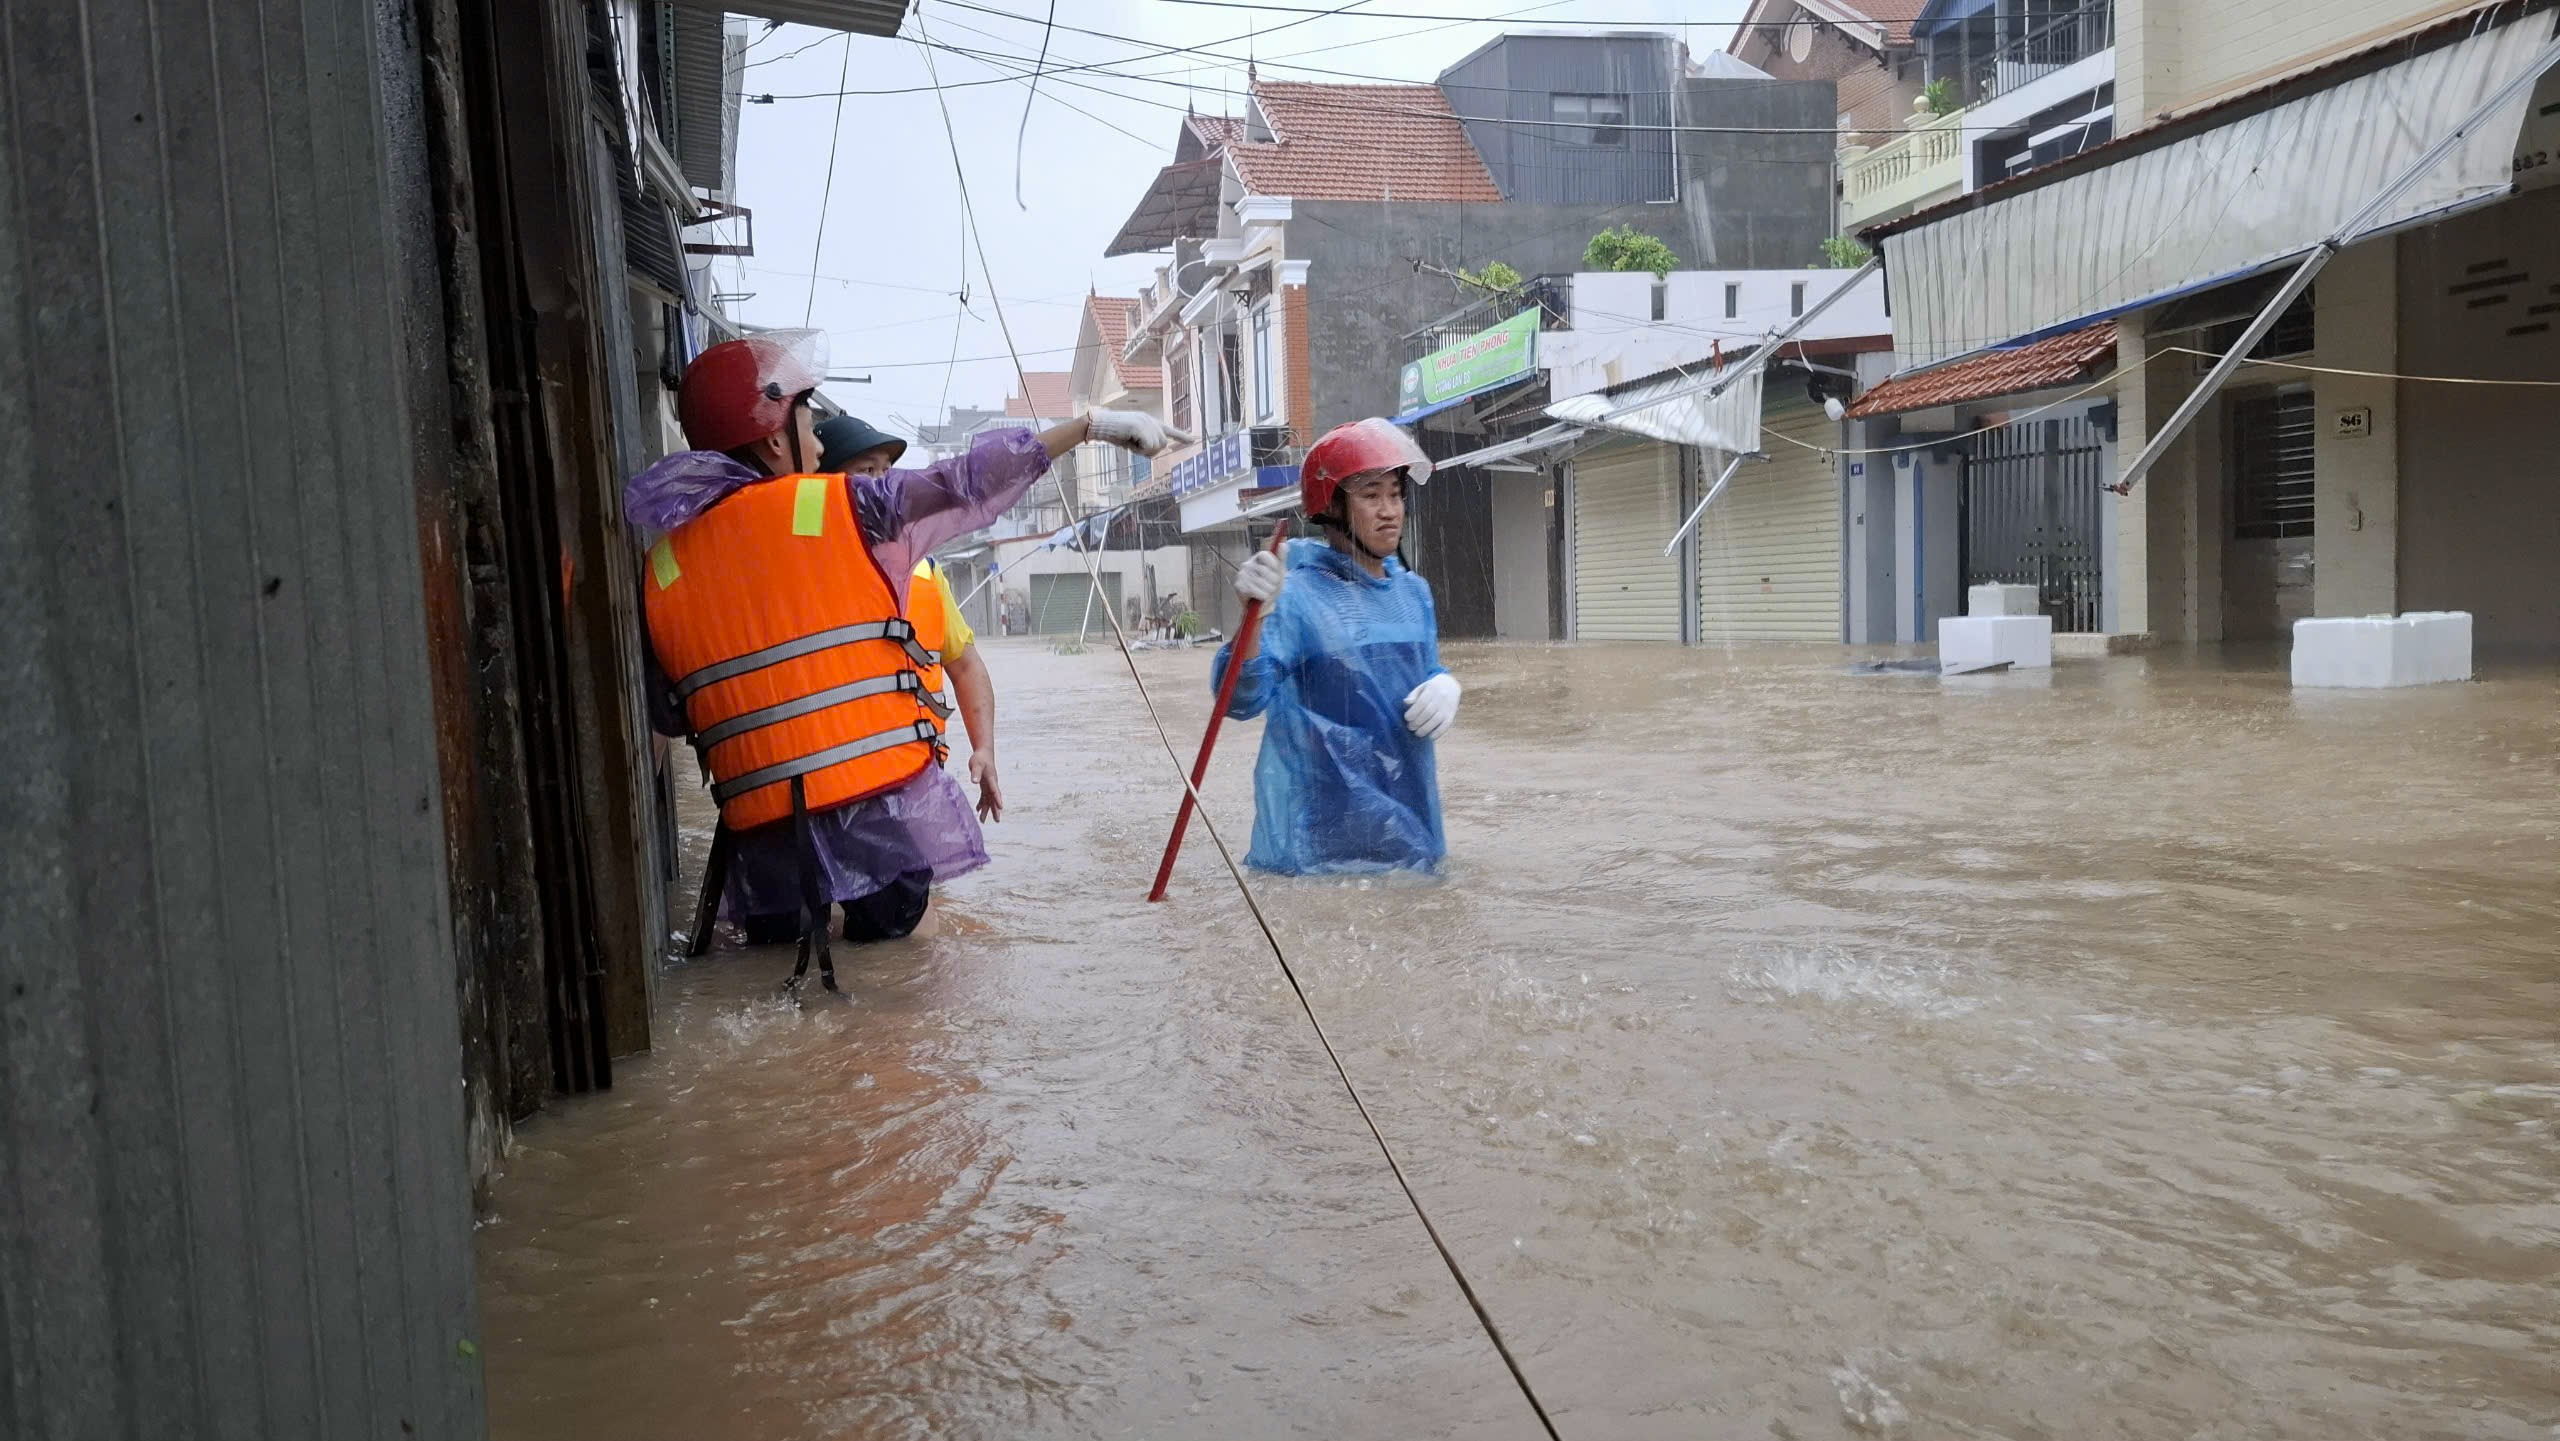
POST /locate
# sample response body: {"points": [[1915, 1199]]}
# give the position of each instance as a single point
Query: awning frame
{"points": [[2318, 260]]}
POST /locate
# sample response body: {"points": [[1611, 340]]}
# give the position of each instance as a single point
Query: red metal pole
{"points": [[1245, 630]]}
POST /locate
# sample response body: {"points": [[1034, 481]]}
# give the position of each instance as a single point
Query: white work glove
{"points": [[1431, 706], [1261, 577], [1132, 430]]}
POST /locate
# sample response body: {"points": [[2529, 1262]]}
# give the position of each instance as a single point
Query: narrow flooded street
{"points": [[2140, 1049]]}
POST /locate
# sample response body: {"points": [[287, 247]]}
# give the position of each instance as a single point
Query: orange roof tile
{"points": [[1216, 129], [2053, 360], [1361, 142], [1052, 397], [1112, 317]]}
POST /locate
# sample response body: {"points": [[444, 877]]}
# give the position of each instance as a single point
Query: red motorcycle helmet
{"points": [[740, 391], [1362, 447]]}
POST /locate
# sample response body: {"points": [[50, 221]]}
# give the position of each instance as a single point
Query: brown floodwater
{"points": [[2139, 1049]]}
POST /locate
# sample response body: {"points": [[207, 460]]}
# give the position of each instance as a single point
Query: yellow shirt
{"points": [[956, 635]]}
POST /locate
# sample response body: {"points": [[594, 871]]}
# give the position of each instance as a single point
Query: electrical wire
{"points": [[1022, 132], [1448, 1258], [835, 138]]}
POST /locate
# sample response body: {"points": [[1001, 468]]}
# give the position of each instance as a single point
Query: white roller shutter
{"points": [[1769, 548], [1626, 504]]}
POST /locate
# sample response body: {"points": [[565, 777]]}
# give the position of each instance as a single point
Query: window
{"points": [[1177, 372], [2291, 334], [2271, 464], [1795, 298], [1732, 301], [1658, 299], [1230, 377], [1262, 386], [1605, 115]]}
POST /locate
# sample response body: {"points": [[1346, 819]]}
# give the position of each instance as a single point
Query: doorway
{"points": [[2267, 565]]}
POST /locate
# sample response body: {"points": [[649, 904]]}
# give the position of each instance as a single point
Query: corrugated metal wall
{"points": [[1519, 77], [232, 1190]]}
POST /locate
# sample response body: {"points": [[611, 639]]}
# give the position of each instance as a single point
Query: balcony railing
{"points": [[2035, 46], [1903, 172], [1552, 294]]}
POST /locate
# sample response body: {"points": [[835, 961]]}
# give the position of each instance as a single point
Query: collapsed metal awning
{"points": [[1544, 438], [859, 17], [1679, 408], [1181, 203], [2145, 219]]}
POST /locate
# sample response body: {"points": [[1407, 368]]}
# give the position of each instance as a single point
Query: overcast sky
{"points": [[892, 257]]}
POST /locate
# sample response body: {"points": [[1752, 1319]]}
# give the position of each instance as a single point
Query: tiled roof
{"points": [[1215, 129], [1894, 15], [1052, 397], [1112, 315], [1361, 142], [2054, 360]]}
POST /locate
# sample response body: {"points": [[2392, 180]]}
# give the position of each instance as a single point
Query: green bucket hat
{"points": [[842, 437]]}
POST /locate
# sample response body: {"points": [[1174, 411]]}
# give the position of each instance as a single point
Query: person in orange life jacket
{"points": [[1346, 668], [858, 448], [757, 556]]}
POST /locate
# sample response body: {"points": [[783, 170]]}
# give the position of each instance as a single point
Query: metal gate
{"points": [[2031, 494]]}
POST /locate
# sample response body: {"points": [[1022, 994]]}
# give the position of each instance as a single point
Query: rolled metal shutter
{"points": [[1058, 603], [1626, 504], [1769, 548]]}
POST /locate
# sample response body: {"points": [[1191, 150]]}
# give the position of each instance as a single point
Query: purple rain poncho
{"points": [[926, 824]]}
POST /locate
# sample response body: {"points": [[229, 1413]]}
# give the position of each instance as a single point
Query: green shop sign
{"points": [[1485, 359]]}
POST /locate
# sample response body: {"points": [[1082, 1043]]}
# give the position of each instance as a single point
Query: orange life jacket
{"points": [[924, 611], [783, 637]]}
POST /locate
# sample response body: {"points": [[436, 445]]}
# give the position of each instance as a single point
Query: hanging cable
{"points": [[1448, 1258], [834, 138]]}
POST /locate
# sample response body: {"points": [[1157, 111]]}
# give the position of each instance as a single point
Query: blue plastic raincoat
{"points": [[1341, 786]]}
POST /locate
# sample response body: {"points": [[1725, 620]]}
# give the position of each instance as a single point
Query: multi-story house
{"points": [[2061, 326], [1311, 238]]}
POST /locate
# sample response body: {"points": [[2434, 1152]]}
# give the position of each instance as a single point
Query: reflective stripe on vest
{"points": [[924, 608], [794, 666], [898, 630], [807, 705], [725, 791]]}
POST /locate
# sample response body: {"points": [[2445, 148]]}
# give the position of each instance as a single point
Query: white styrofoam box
{"points": [[1985, 600], [2374, 652], [2024, 641]]}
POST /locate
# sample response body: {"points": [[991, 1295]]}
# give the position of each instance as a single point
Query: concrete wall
{"points": [[1614, 340], [2180, 53], [1363, 296], [1520, 519], [1764, 198], [233, 1195], [2356, 515], [2479, 482]]}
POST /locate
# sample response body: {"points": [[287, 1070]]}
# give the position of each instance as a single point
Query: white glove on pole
{"points": [[1431, 706], [1261, 577], [1132, 430]]}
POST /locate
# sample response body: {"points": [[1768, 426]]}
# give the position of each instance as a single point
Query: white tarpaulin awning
{"points": [[2212, 206], [1678, 408]]}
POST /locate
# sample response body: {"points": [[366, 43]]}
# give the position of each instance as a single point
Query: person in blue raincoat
{"points": [[1346, 671]]}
